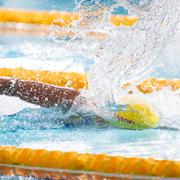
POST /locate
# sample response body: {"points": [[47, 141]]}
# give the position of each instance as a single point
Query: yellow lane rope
{"points": [[152, 84], [79, 81], [66, 79], [52, 17], [88, 162]]}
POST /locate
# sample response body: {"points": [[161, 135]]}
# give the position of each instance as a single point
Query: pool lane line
{"points": [[64, 79], [98, 163], [79, 81], [55, 17]]}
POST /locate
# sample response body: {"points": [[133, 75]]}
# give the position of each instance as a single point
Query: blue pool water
{"points": [[62, 5], [65, 5], [156, 143]]}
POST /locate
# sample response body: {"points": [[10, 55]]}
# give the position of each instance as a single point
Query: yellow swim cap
{"points": [[136, 114]]}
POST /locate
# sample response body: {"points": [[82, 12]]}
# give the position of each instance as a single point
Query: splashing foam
{"points": [[127, 53], [124, 53], [166, 103], [131, 51]]}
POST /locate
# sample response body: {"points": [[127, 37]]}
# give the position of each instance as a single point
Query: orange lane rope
{"points": [[79, 81], [87, 162], [66, 79], [55, 17], [152, 84]]}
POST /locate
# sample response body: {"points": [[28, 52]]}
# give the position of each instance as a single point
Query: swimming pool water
{"points": [[42, 128], [65, 5], [156, 143]]}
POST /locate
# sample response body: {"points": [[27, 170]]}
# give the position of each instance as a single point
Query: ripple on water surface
{"points": [[157, 143]]}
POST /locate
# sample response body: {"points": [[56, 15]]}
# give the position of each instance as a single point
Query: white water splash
{"points": [[12, 105], [126, 52], [129, 53], [166, 103]]}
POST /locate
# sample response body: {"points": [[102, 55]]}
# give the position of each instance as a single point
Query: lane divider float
{"points": [[55, 17], [41, 158], [79, 81]]}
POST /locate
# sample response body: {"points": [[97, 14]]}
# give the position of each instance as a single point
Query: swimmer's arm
{"points": [[38, 93]]}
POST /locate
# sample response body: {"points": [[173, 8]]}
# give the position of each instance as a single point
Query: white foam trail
{"points": [[128, 52], [131, 51], [12, 105], [169, 60], [67, 65], [167, 104], [62, 146]]}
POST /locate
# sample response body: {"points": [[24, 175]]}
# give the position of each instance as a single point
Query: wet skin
{"points": [[38, 93]]}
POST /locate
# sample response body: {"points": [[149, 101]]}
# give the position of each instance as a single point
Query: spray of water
{"points": [[131, 51], [125, 53], [121, 53]]}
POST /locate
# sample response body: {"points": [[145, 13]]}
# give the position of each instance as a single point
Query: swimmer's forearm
{"points": [[38, 93], [7, 86], [46, 95]]}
